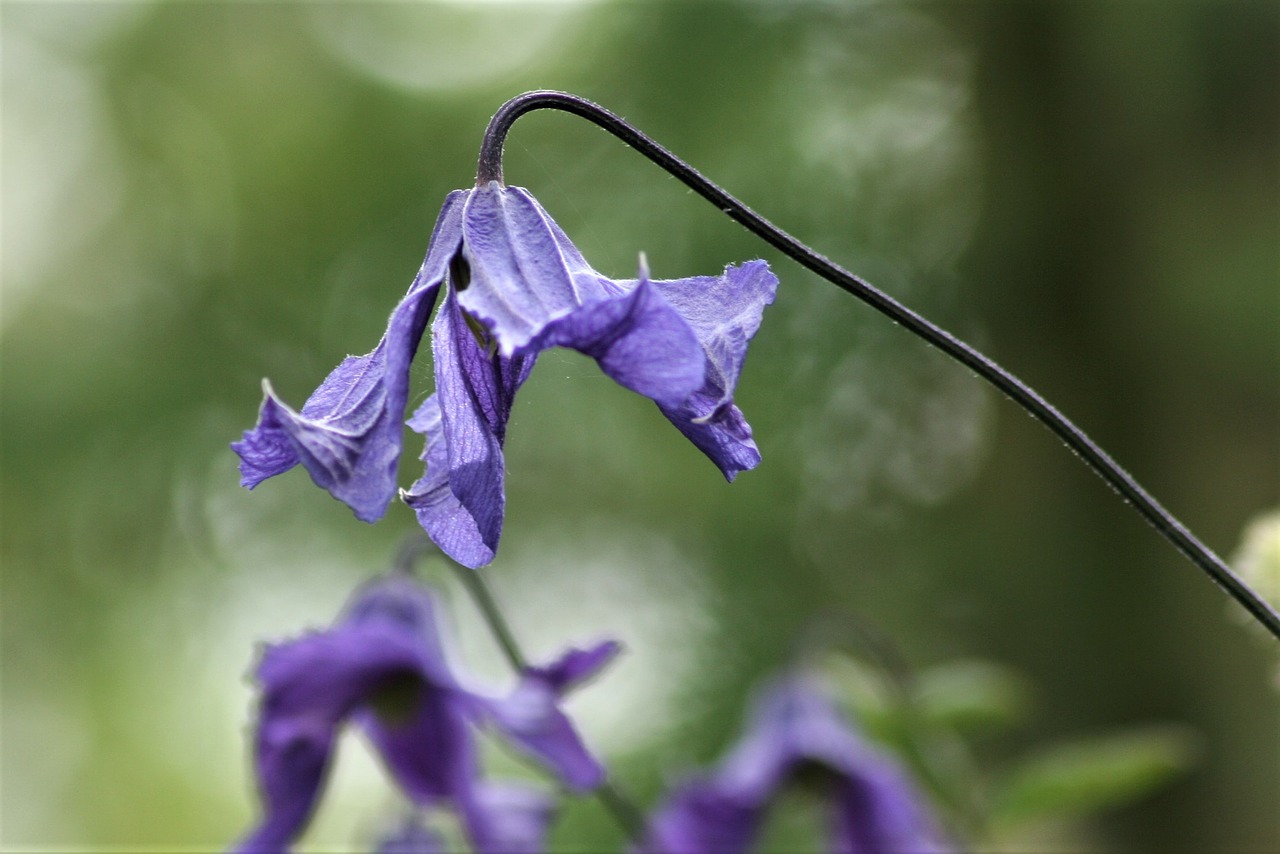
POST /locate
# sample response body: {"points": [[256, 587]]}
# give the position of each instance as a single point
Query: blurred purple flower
{"points": [[518, 287], [410, 837], [383, 666], [796, 738]]}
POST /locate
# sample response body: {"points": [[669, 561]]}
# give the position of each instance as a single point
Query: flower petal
{"points": [[523, 272], [576, 666], [404, 606], [638, 339], [266, 450], [450, 525], [292, 764], [341, 437], [725, 312], [422, 734], [348, 432], [793, 721], [460, 501], [795, 728], [506, 818], [309, 686], [386, 655], [531, 716], [411, 837], [418, 719], [531, 719], [725, 438], [699, 819], [880, 812]]}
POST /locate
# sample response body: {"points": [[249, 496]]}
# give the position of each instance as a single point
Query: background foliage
{"points": [[198, 195]]}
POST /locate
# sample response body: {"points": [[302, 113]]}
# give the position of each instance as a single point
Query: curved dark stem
{"points": [[490, 169], [623, 810]]}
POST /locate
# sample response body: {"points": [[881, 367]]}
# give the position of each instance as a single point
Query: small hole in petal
{"points": [[459, 273]]}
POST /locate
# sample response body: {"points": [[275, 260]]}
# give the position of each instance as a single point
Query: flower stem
{"points": [[413, 548], [483, 597], [624, 812], [489, 168]]}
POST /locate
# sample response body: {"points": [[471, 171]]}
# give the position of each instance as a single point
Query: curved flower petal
{"points": [[725, 438], [341, 437], [879, 812], [405, 607], [348, 432], [266, 450], [638, 339], [523, 272], [309, 687], [292, 766], [725, 313], [531, 717], [699, 819], [576, 666], [418, 718], [792, 722], [422, 735], [532, 289], [386, 649], [460, 499], [450, 525], [507, 818], [796, 729]]}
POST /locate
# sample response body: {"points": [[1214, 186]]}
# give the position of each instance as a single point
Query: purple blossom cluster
{"points": [[514, 285], [383, 669]]}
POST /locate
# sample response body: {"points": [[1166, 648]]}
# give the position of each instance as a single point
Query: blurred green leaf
{"points": [[1073, 779], [865, 693], [972, 695]]}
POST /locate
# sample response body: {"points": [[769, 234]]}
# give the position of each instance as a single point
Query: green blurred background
{"points": [[200, 195]]}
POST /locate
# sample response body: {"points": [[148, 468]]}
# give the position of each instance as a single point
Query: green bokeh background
{"points": [[200, 195]]}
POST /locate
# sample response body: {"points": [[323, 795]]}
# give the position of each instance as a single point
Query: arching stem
{"points": [[490, 169]]}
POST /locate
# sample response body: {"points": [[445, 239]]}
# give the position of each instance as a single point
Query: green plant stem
{"points": [[617, 804]]}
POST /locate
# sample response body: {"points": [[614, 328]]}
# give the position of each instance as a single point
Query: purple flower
{"points": [[383, 667], [410, 837], [518, 286], [796, 737]]}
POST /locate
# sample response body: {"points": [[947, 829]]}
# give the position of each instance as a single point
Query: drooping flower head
{"points": [[517, 286], [797, 736], [383, 668]]}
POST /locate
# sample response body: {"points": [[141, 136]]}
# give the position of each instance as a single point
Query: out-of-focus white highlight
{"points": [[608, 582], [443, 47]]}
